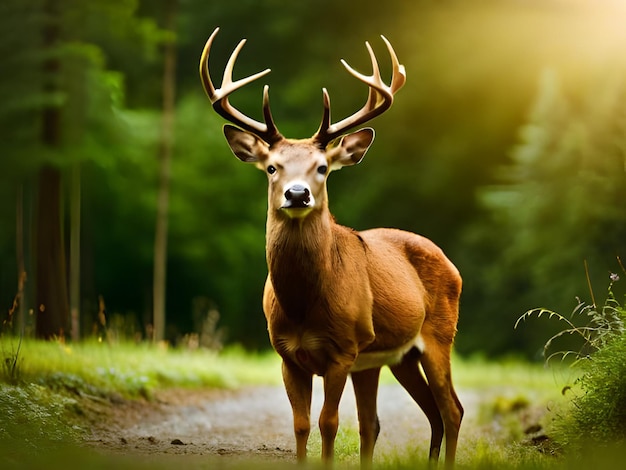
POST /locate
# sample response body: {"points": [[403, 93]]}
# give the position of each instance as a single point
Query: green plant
{"points": [[599, 414], [602, 324], [11, 360], [596, 415]]}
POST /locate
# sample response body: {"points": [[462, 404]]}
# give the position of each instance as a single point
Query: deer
{"points": [[342, 303]]}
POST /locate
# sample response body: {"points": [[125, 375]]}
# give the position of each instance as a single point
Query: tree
{"points": [[21, 97], [51, 281], [165, 155], [472, 69], [560, 204], [56, 114]]}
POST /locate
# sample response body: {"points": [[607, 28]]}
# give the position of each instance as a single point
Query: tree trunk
{"points": [[165, 153], [51, 283], [52, 304], [20, 298], [74, 278]]}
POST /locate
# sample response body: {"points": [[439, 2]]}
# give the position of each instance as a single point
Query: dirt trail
{"points": [[252, 423]]}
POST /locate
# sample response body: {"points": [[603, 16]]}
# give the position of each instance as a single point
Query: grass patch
{"points": [[478, 373], [38, 396], [34, 422], [136, 370], [37, 408]]}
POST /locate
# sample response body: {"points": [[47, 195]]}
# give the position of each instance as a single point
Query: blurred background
{"points": [[123, 210]]}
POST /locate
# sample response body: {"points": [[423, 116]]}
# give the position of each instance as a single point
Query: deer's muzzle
{"points": [[297, 196]]}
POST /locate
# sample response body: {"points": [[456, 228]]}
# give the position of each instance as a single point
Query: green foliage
{"points": [[472, 69], [597, 416], [603, 326], [597, 413], [11, 360], [560, 202]]}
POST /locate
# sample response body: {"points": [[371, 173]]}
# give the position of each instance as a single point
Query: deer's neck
{"points": [[300, 260]]}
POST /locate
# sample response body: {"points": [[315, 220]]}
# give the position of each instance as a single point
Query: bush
{"points": [[596, 415], [599, 412]]}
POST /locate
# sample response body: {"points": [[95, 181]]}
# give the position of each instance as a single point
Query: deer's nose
{"points": [[297, 196]]}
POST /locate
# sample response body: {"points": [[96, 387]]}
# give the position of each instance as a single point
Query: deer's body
{"points": [[340, 302], [389, 312]]}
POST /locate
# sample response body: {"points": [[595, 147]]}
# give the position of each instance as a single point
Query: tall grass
{"points": [[134, 370], [595, 417], [37, 412]]}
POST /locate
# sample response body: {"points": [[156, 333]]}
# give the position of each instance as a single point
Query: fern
{"points": [[601, 326]]}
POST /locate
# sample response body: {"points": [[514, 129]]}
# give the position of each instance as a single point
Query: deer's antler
{"points": [[380, 97], [219, 97]]}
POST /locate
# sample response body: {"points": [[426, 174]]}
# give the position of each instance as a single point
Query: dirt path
{"points": [[253, 423]]}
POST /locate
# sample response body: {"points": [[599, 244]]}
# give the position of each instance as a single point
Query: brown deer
{"points": [[340, 302]]}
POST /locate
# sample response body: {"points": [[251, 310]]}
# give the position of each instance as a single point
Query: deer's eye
{"points": [[271, 169], [322, 169]]}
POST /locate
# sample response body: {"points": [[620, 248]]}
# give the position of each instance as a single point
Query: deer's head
{"points": [[297, 169]]}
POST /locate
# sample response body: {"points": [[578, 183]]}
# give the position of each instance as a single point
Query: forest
{"points": [[123, 211]]}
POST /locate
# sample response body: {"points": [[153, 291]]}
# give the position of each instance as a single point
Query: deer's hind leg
{"points": [[436, 363], [410, 376]]}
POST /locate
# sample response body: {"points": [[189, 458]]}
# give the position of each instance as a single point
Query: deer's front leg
{"points": [[365, 390], [334, 383], [299, 387]]}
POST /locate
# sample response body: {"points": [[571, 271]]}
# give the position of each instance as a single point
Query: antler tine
{"points": [[219, 97], [326, 117], [207, 84], [375, 77], [379, 98], [397, 79]]}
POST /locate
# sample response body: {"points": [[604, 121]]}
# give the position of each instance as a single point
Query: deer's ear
{"points": [[246, 146], [350, 149]]}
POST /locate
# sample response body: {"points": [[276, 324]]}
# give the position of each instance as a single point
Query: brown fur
{"points": [[337, 301]]}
